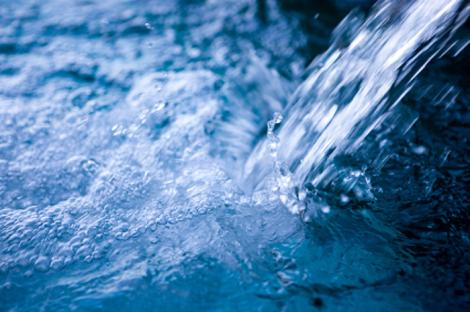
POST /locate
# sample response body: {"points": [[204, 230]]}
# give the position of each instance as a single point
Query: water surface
{"points": [[126, 128]]}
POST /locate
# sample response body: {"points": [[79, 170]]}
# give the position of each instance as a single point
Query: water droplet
{"points": [[419, 150], [344, 199], [325, 209]]}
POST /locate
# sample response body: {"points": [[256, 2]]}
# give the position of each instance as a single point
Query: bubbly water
{"points": [[152, 154]]}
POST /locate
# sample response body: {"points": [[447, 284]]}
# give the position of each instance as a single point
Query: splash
{"points": [[123, 128], [369, 68]]}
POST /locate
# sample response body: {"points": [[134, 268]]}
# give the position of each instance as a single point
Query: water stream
{"points": [[347, 91], [180, 156]]}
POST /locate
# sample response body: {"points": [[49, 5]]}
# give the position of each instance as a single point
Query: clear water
{"points": [[344, 95], [140, 171]]}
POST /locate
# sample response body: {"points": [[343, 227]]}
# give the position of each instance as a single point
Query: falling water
{"points": [[348, 89], [149, 149]]}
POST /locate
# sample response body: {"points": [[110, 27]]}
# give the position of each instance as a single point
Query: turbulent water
{"points": [[343, 98], [152, 154]]}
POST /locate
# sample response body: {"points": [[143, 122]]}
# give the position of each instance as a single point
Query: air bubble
{"points": [[42, 263]]}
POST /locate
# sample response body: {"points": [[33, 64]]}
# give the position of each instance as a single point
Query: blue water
{"points": [[150, 156]]}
